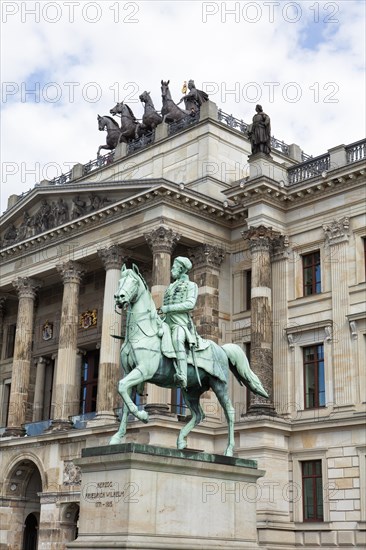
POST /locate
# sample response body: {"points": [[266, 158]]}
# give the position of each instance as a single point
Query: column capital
{"points": [[260, 238], [162, 239], [337, 231], [207, 255], [280, 248], [71, 271], [113, 256], [26, 287]]}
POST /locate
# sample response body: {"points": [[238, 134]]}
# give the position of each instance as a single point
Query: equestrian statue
{"points": [[162, 347]]}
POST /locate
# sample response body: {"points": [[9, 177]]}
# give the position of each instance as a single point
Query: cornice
{"points": [[168, 193], [264, 188]]}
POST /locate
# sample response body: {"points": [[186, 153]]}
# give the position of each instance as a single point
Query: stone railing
{"points": [[242, 127], [309, 169], [356, 151]]}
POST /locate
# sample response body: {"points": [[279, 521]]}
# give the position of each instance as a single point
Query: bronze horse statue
{"points": [[113, 132], [170, 110], [150, 119], [129, 124], [143, 360]]}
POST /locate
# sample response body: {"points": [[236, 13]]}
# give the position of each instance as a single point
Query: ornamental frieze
{"points": [[50, 215]]}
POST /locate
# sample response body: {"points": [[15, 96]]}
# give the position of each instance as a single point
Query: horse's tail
{"points": [[239, 366]]}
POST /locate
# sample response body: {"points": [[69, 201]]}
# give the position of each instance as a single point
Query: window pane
{"points": [[308, 499]]}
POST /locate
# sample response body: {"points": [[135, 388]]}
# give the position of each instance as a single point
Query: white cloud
{"points": [[170, 41]]}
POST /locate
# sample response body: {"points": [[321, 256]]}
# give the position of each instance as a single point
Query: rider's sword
{"points": [[195, 364]]}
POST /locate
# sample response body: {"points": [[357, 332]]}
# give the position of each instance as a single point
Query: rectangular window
{"points": [[314, 382], [311, 273], [248, 289], [10, 341], [89, 382], [312, 490]]}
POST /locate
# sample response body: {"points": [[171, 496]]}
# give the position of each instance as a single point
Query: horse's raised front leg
{"points": [[132, 379], [118, 436]]}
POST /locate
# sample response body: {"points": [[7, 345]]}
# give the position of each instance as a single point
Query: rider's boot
{"points": [[180, 377]]}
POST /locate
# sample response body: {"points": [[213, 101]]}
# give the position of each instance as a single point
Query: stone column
{"points": [[261, 353], [65, 402], [206, 260], [39, 390], [336, 245], [161, 241], [26, 289], [109, 365]]}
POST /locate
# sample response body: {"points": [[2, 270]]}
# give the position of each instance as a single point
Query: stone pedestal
{"points": [[145, 497]]}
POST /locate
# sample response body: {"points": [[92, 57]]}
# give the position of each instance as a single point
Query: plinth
{"points": [[144, 497]]}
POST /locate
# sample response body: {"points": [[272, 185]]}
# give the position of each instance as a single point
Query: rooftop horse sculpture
{"points": [[129, 123], [170, 110], [150, 118], [143, 360], [113, 132]]}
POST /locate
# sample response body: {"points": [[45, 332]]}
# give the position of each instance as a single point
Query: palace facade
{"points": [[278, 250]]}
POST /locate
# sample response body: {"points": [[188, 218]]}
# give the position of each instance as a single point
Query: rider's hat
{"points": [[185, 262]]}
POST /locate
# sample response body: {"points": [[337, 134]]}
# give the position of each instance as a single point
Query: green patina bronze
{"points": [[170, 354]]}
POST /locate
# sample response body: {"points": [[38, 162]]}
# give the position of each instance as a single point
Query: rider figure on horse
{"points": [[179, 299]]}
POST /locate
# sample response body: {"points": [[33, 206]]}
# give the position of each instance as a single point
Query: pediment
{"points": [[49, 207]]}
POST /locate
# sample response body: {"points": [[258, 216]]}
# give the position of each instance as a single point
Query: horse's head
{"points": [[165, 92], [101, 122], [117, 109], [145, 97], [130, 286]]}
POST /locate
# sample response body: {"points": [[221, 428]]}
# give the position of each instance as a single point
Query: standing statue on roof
{"points": [[259, 132]]}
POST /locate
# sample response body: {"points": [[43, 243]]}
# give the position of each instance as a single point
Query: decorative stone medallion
{"points": [[88, 319]]}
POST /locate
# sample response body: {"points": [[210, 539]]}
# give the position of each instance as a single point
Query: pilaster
{"points": [[336, 238]]}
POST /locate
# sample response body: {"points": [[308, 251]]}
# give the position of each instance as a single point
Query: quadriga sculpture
{"points": [[144, 358]]}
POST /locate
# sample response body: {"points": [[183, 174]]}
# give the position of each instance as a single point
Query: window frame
{"points": [[314, 477], [316, 361], [313, 285]]}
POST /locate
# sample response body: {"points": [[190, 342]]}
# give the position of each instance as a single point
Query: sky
{"points": [[63, 63]]}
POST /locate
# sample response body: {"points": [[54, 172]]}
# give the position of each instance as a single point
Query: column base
{"points": [[261, 410], [60, 426], [103, 419], [14, 432], [158, 408]]}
